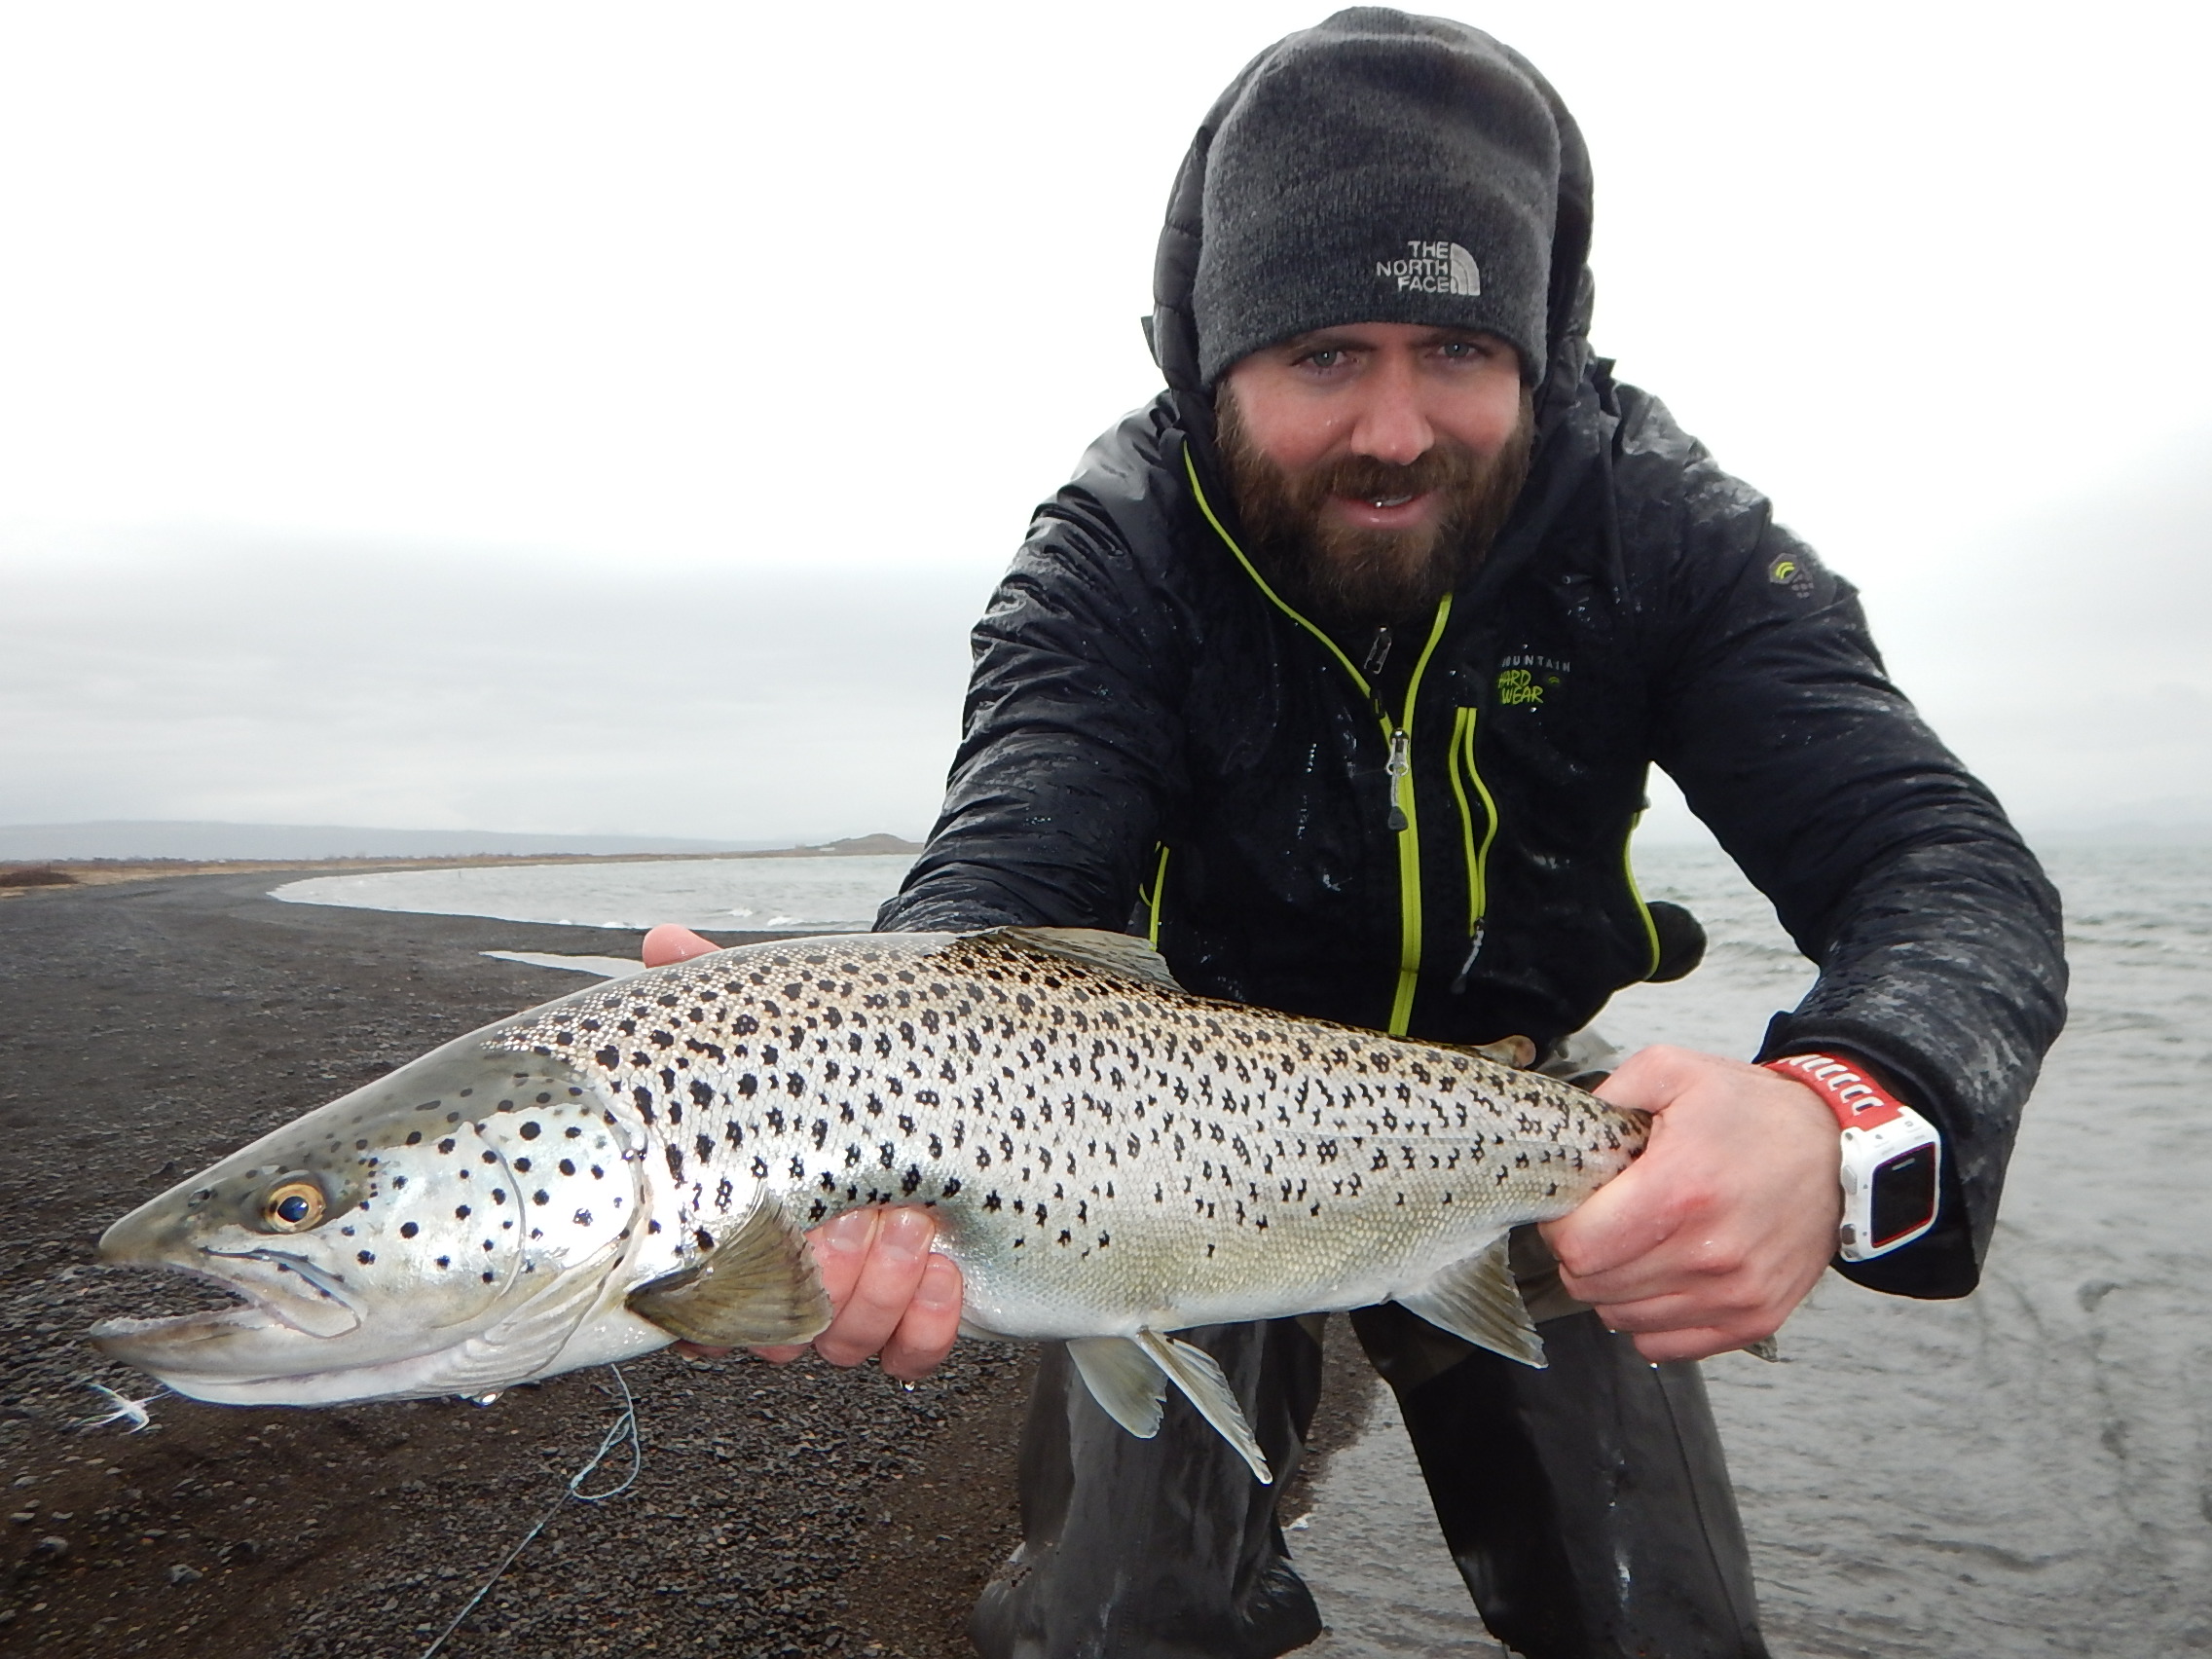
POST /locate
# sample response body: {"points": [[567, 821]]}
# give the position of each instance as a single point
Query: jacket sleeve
{"points": [[1071, 746], [1935, 929]]}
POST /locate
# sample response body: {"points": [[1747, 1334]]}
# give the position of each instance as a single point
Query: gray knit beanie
{"points": [[1379, 169]]}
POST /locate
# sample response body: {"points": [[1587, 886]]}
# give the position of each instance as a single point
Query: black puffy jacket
{"points": [[1149, 725]]}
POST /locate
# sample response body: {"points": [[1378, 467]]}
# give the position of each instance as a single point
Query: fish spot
{"points": [[582, 1218], [539, 1196], [486, 1277], [460, 1212], [445, 1260], [408, 1230], [567, 1166], [532, 1130], [446, 1145], [523, 1165]]}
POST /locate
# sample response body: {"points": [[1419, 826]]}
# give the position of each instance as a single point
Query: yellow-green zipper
{"points": [[1397, 738], [1151, 901], [1628, 870], [1477, 852]]}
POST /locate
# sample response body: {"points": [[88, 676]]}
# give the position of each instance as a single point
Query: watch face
{"points": [[1903, 1194]]}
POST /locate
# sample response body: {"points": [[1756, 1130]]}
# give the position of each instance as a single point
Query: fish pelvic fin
{"points": [[1479, 1301], [1128, 1387], [757, 1287], [1128, 1377], [1094, 948]]}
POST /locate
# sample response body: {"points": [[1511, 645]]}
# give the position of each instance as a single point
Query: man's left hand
{"points": [[1712, 1237]]}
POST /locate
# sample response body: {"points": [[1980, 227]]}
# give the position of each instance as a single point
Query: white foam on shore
{"points": [[600, 966]]}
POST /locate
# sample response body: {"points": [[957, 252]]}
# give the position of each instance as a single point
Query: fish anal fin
{"points": [[1094, 948], [1479, 1301], [759, 1285], [1194, 1371], [1122, 1376]]}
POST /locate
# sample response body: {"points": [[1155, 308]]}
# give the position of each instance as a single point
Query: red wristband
{"points": [[1858, 1101]]}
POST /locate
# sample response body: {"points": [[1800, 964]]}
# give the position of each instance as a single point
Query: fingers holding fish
{"points": [[1720, 1230], [669, 943]]}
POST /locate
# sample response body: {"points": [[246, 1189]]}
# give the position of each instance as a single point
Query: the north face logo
{"points": [[1433, 268]]}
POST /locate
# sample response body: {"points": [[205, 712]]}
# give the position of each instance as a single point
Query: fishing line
{"points": [[624, 1427]]}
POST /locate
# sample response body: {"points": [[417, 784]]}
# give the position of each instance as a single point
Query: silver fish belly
{"points": [[1111, 1158]]}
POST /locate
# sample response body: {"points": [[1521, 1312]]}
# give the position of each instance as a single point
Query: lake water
{"points": [[2026, 1472]]}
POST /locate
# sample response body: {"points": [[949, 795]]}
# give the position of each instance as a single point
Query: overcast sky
{"points": [[606, 419]]}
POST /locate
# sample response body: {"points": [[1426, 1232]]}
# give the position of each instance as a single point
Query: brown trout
{"points": [[1109, 1158]]}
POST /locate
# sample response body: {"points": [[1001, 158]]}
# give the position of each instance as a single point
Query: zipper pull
{"points": [[1377, 653], [1474, 950], [1398, 765]]}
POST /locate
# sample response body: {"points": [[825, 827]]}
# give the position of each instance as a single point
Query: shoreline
{"points": [[107, 872]]}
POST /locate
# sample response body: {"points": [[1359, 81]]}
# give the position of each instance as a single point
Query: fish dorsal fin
{"points": [[1194, 1371], [1478, 1300], [1093, 947], [759, 1285], [1128, 1387]]}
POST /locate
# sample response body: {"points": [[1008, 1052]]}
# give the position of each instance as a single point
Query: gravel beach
{"points": [[150, 1026], [147, 1027]]}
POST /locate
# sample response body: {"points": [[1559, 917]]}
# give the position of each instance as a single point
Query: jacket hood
{"points": [[1172, 328]]}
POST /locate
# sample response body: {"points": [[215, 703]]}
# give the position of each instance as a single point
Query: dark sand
{"points": [[147, 1028]]}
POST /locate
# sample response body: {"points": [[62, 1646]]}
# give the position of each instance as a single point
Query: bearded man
{"points": [[1336, 672]]}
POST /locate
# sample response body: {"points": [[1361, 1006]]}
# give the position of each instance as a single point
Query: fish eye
{"points": [[294, 1206]]}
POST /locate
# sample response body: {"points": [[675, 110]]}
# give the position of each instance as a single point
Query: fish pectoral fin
{"points": [[759, 1285], [1194, 1371], [1094, 948], [1479, 1301], [1122, 1379]]}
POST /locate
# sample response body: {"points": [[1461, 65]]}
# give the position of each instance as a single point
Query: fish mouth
{"points": [[278, 1293]]}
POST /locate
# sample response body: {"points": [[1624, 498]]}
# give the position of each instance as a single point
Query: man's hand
{"points": [[893, 1295], [1712, 1237]]}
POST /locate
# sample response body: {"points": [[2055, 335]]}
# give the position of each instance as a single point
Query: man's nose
{"points": [[1393, 426]]}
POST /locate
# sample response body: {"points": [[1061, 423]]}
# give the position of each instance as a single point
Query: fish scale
{"points": [[1110, 1159], [1090, 1141]]}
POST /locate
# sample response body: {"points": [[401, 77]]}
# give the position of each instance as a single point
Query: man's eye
{"points": [[1328, 360]]}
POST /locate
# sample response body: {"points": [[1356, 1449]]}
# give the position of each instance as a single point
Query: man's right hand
{"points": [[891, 1294]]}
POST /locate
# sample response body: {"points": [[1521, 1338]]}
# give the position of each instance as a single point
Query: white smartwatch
{"points": [[1893, 1157]]}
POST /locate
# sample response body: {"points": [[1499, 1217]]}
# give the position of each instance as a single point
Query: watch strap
{"points": [[1858, 1101]]}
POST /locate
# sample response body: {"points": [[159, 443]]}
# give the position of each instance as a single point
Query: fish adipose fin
{"points": [[1093, 947], [1479, 1301], [759, 1285], [1128, 1377], [1517, 1054]]}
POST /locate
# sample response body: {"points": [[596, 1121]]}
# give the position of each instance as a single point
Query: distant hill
{"points": [[164, 839]]}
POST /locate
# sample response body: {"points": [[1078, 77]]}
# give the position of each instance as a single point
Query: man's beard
{"points": [[1362, 578]]}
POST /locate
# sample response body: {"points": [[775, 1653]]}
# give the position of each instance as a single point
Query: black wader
{"points": [[1588, 1505]]}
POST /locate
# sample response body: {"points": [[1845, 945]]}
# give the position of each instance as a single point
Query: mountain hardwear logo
{"points": [[1432, 267]]}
